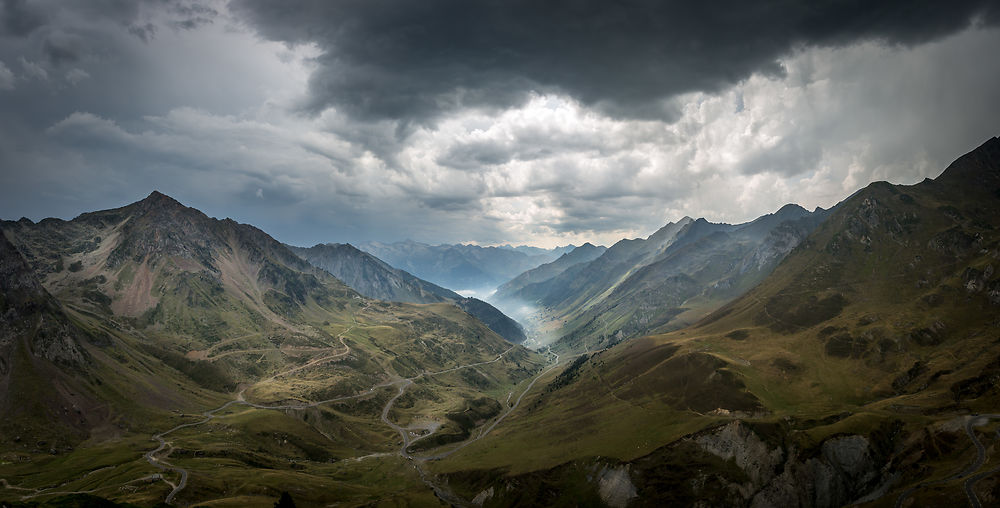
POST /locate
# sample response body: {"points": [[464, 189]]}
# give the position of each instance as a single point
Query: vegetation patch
{"points": [[206, 374], [741, 334], [847, 346], [568, 374], [787, 313], [785, 365], [918, 369]]}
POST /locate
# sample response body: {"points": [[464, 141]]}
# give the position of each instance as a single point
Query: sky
{"points": [[492, 122]]}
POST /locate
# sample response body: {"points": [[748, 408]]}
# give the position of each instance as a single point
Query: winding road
{"points": [[980, 458], [443, 493], [977, 463], [402, 383]]}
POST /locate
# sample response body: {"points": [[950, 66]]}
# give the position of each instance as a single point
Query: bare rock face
{"points": [[738, 443], [845, 470], [615, 486], [27, 310], [483, 496]]}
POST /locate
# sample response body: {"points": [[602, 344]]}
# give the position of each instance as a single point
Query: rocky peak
{"points": [[15, 275], [160, 225], [791, 209]]}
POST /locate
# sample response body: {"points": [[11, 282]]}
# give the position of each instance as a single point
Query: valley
{"points": [[152, 354]]}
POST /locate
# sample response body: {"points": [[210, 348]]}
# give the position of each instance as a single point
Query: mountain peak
{"points": [[160, 199], [792, 208]]}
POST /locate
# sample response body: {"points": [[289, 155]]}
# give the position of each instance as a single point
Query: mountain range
{"points": [[151, 354], [669, 280]]}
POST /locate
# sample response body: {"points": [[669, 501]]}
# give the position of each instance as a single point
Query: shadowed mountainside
{"points": [[374, 278]]}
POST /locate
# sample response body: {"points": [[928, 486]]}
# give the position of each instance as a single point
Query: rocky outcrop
{"points": [[615, 487], [845, 469], [28, 311]]}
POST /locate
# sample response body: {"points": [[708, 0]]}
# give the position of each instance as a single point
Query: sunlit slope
{"points": [[582, 254], [706, 266], [860, 356], [667, 281]]}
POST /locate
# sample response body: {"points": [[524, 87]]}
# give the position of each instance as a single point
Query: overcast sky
{"points": [[525, 122]]}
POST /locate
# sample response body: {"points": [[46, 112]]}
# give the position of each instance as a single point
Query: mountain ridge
{"points": [[461, 267], [374, 278]]}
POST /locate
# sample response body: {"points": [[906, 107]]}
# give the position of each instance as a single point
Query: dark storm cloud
{"points": [[19, 18], [413, 60]]}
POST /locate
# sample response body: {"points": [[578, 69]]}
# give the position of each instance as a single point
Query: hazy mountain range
{"points": [[463, 268], [668, 280], [153, 354]]}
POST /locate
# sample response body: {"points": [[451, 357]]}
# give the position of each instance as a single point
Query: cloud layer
{"points": [[479, 121], [413, 60]]}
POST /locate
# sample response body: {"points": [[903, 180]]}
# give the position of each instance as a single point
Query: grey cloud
{"points": [[6, 77], [19, 19], [144, 32], [795, 154], [415, 60], [475, 155], [601, 215], [61, 48]]}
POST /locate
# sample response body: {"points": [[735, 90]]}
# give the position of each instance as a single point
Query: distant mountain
{"points": [[458, 267], [552, 253], [584, 253], [374, 278], [670, 279]]}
